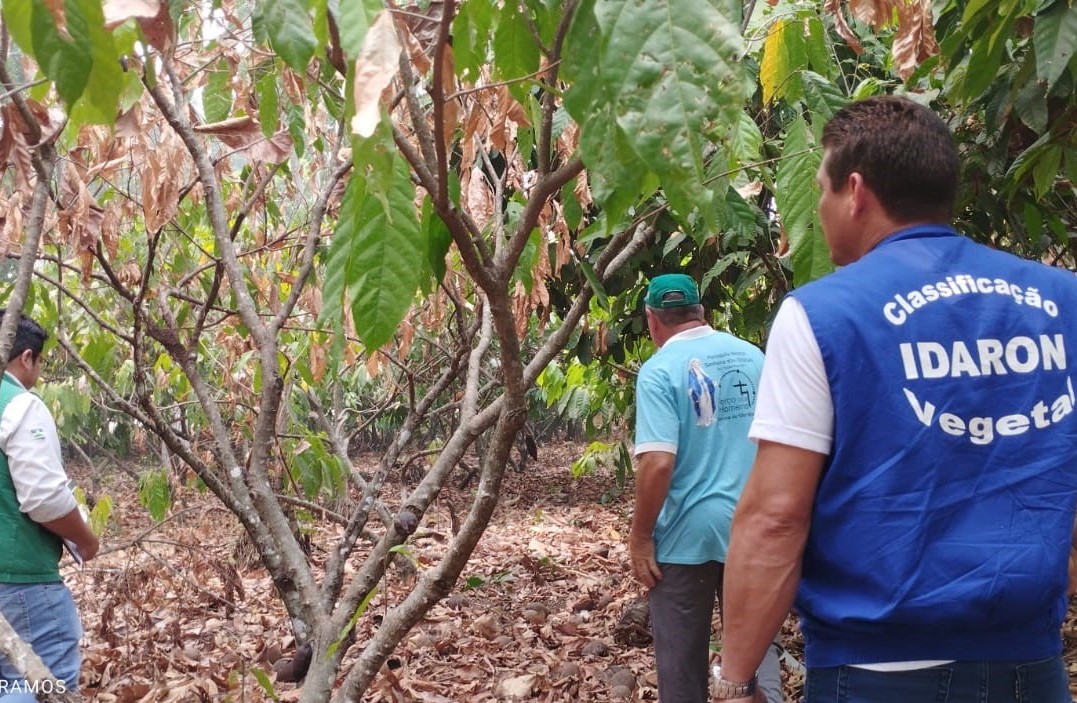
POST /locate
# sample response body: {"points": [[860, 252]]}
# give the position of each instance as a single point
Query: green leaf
{"points": [[377, 242], [669, 75], [742, 216], [290, 31], [471, 37], [1045, 170], [354, 20], [1054, 37], [217, 96], [100, 104], [573, 211], [823, 99], [363, 605], [405, 551], [154, 493], [268, 103], [815, 45], [438, 239], [17, 16], [99, 516], [984, 60], [797, 194], [547, 17], [515, 52], [66, 62], [1031, 106], [525, 265], [596, 285], [617, 175], [747, 146], [321, 21], [264, 681]]}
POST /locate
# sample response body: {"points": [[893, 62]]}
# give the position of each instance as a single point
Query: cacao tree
{"points": [[263, 229]]}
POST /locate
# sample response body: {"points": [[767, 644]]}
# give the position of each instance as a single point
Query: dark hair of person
{"points": [[678, 315], [28, 335], [904, 151]]}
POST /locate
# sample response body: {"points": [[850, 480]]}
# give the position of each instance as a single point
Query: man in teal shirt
{"points": [[694, 404]]}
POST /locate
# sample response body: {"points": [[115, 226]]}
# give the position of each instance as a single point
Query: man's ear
{"points": [[859, 194]]}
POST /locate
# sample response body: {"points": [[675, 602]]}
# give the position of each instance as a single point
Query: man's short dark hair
{"points": [[671, 317], [904, 151], [28, 335]]}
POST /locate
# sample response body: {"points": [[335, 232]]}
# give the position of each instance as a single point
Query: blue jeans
{"points": [[45, 617], [1042, 681]]}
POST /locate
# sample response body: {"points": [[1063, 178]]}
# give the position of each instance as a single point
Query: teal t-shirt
{"points": [[695, 398]]}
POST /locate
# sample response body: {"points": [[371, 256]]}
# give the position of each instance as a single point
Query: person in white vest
{"points": [[916, 480], [38, 512]]}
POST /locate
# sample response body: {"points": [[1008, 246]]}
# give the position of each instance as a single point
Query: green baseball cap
{"points": [[672, 290]]}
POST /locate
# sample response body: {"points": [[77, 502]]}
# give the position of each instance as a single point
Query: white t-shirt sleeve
{"points": [[29, 439], [794, 405]]}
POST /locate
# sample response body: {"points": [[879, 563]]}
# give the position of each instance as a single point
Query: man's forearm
{"points": [[760, 584], [770, 529], [72, 527], [653, 476]]}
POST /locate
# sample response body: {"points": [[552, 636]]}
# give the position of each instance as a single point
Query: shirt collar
{"points": [[9, 375], [693, 333]]}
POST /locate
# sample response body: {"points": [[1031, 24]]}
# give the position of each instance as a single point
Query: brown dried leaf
{"points": [[877, 13], [129, 274], [476, 124], [419, 60], [375, 68], [79, 217], [160, 187], [508, 117], [15, 143], [914, 41], [480, 199], [159, 30], [119, 11], [11, 223], [129, 124], [59, 17], [373, 364], [451, 112], [407, 336], [244, 135], [834, 8]]}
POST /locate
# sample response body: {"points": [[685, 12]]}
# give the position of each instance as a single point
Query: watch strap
{"points": [[728, 690]]}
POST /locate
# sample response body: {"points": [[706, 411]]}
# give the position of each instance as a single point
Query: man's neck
{"points": [[885, 227], [683, 327]]}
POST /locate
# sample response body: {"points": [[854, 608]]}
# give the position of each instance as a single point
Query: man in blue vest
{"points": [[37, 512], [694, 403], [916, 478]]}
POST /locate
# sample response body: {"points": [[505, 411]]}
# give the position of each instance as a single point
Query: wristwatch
{"points": [[729, 690]]}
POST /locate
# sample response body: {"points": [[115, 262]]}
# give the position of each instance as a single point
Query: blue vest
{"points": [[942, 523]]}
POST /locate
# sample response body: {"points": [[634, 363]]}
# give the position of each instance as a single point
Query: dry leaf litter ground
{"points": [[181, 611]]}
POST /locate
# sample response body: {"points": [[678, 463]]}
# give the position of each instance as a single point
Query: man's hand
{"points": [[74, 528], [1073, 563], [1073, 571], [644, 567], [89, 546]]}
